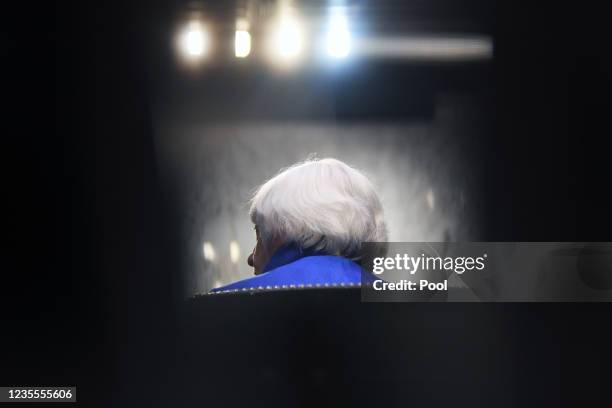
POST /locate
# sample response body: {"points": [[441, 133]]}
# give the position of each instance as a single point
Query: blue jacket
{"points": [[292, 268]]}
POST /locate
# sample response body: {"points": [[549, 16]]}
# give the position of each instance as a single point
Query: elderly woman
{"points": [[310, 221]]}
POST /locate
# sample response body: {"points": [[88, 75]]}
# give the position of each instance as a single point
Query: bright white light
{"points": [[209, 251], [234, 252], [194, 40], [338, 35], [455, 48], [287, 42], [242, 43]]}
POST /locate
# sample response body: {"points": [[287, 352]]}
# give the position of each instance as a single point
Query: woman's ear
{"points": [[250, 260]]}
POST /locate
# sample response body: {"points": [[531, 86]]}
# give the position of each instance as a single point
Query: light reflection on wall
{"points": [[429, 189]]}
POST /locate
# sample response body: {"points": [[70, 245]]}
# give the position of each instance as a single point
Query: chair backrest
{"points": [[326, 346]]}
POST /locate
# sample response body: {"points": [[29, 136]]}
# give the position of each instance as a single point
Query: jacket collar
{"points": [[286, 254]]}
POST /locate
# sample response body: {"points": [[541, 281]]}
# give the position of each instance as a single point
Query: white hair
{"points": [[322, 205]]}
